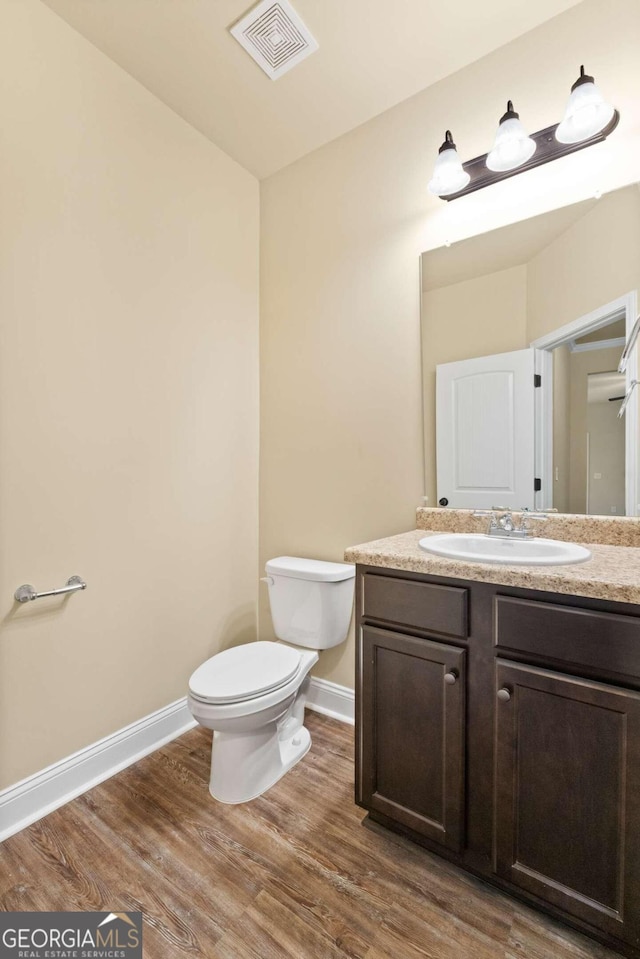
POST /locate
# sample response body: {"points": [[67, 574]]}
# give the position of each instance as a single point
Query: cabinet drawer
{"points": [[604, 641], [427, 606]]}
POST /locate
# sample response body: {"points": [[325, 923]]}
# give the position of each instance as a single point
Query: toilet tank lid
{"points": [[313, 569]]}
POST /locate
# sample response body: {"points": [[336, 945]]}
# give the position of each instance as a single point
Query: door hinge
{"points": [[537, 379], [537, 485]]}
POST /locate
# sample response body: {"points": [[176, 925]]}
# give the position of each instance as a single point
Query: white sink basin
{"points": [[480, 548]]}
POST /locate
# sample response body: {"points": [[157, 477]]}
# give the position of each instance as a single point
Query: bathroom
{"points": [[211, 350]]}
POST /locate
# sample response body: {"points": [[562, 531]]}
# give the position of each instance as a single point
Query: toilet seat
{"points": [[244, 672]]}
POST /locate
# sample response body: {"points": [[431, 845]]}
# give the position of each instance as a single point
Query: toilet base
{"points": [[245, 765]]}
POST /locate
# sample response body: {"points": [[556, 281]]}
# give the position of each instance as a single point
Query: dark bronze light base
{"points": [[547, 149]]}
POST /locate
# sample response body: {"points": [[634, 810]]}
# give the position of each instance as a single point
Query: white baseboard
{"points": [[40, 794], [332, 700]]}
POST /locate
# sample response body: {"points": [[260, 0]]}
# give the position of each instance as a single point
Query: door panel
{"points": [[485, 424], [568, 777], [413, 732]]}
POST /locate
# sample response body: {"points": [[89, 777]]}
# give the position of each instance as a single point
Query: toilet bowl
{"points": [[253, 696]]}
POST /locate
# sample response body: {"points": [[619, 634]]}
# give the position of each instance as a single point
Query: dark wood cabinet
{"points": [[413, 701], [567, 778], [501, 728]]}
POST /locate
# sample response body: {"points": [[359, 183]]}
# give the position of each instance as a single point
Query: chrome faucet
{"points": [[506, 523], [505, 526]]}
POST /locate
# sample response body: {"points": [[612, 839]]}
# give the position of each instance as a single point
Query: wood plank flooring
{"points": [[292, 875]]}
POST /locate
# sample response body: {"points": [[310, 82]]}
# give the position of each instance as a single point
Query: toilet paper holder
{"points": [[26, 593]]}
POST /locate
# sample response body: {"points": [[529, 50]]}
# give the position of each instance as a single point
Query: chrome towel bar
{"points": [[26, 593]]}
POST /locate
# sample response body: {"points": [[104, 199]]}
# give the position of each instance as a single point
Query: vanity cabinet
{"points": [[500, 727], [414, 754]]}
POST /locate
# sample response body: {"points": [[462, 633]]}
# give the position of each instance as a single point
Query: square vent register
{"points": [[275, 37]]}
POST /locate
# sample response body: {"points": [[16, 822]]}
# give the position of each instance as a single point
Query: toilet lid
{"points": [[244, 672]]}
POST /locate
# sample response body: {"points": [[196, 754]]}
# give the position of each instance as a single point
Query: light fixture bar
{"points": [[547, 149]]}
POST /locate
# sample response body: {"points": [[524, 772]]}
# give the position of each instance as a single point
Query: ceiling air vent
{"points": [[275, 36]]}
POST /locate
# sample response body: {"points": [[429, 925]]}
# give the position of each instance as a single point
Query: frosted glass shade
{"points": [[587, 113], [448, 173], [513, 146]]}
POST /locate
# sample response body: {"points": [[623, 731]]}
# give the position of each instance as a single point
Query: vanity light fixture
{"points": [[587, 112], [513, 146], [448, 175], [588, 119]]}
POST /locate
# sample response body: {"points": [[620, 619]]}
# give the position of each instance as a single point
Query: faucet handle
{"points": [[491, 513], [528, 514]]}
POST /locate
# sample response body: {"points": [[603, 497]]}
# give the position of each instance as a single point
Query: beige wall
{"points": [[561, 427], [342, 229], [128, 394], [606, 457], [581, 364], [592, 263], [490, 316]]}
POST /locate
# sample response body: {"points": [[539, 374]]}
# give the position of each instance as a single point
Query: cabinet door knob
{"points": [[504, 694], [451, 677]]}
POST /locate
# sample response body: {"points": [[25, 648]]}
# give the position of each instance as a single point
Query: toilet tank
{"points": [[311, 601]]}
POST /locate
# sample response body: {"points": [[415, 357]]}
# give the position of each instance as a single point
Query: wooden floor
{"points": [[292, 875]]}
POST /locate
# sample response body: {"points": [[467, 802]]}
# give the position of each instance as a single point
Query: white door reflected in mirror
{"points": [[485, 431]]}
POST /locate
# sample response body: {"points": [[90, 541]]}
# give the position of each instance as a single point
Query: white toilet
{"points": [[253, 696]]}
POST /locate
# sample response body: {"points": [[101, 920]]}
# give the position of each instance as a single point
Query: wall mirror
{"points": [[523, 329]]}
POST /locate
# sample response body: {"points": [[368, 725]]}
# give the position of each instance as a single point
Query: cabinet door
{"points": [[412, 711], [568, 794]]}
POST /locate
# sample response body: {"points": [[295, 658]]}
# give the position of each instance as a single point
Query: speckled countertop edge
{"points": [[613, 572], [568, 527]]}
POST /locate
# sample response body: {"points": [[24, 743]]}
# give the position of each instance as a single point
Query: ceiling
{"points": [[372, 55]]}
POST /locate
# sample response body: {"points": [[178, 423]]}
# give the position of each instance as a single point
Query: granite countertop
{"points": [[613, 572]]}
